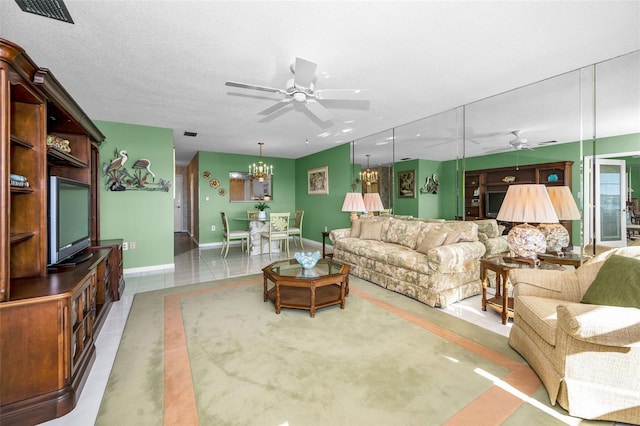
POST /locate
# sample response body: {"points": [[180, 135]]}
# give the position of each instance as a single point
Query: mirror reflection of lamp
{"points": [[373, 202], [522, 204], [353, 203], [565, 207]]}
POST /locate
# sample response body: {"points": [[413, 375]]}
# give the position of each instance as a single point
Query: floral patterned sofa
{"points": [[490, 234], [433, 261]]}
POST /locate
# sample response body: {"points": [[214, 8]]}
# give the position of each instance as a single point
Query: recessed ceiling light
{"points": [[324, 135], [382, 143], [348, 121], [347, 130]]}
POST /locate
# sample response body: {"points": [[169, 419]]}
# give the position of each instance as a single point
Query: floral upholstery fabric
{"points": [[443, 275]]}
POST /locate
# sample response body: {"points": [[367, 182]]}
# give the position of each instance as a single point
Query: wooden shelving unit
{"points": [[48, 317]]}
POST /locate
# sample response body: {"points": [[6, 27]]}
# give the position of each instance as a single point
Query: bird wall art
{"points": [[141, 178]]}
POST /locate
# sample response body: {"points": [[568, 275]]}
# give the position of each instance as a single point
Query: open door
{"points": [[610, 191]]}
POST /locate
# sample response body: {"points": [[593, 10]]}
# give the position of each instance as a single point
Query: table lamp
{"points": [[565, 207], [522, 204], [372, 202], [353, 203]]}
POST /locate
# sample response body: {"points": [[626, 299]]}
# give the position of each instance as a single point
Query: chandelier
{"points": [[369, 176], [260, 171]]}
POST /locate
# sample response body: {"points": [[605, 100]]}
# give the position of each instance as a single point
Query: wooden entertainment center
{"points": [[49, 318]]}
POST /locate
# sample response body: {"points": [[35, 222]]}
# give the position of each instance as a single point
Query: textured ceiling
{"points": [[164, 63]]}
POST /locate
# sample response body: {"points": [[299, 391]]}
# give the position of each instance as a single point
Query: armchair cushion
{"points": [[617, 283], [601, 325]]}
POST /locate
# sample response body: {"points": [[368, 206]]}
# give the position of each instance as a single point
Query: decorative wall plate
{"points": [[214, 183], [222, 191], [206, 175]]}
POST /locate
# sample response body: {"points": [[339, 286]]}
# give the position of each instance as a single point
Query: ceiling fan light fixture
{"points": [[299, 97]]}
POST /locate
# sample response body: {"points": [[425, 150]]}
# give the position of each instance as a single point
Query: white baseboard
{"points": [[149, 268]]}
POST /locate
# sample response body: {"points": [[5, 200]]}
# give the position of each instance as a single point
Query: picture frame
{"points": [[407, 184], [318, 181]]}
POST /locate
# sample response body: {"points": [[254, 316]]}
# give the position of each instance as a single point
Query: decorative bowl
{"points": [[307, 259]]}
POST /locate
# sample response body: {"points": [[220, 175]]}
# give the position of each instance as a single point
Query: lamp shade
{"points": [[353, 203], [563, 203], [372, 202], [527, 203]]}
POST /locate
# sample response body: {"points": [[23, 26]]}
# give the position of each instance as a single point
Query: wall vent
{"points": [[54, 9], [191, 134]]}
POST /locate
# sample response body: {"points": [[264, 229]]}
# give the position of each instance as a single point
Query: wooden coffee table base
{"points": [[301, 297]]}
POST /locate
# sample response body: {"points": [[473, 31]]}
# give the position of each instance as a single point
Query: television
{"points": [[69, 214], [493, 202]]}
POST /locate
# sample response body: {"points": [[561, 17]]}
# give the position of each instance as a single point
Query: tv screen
{"points": [[69, 218], [493, 202]]}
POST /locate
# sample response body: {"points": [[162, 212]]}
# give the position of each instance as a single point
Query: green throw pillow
{"points": [[617, 283]]}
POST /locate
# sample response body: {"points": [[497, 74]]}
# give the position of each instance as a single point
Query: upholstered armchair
{"points": [[587, 355]]}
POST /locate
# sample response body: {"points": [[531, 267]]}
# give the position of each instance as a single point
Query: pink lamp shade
{"points": [[522, 204], [372, 202], [353, 203]]}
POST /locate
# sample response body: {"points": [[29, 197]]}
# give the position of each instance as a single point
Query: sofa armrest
{"points": [[601, 325], [337, 234], [561, 285], [455, 257]]}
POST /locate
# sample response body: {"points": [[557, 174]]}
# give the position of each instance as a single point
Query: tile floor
{"points": [[193, 265]]}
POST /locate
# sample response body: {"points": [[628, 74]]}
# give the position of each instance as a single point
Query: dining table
{"points": [[256, 227]]}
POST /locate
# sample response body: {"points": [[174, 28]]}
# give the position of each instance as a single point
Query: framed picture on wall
{"points": [[318, 181], [406, 184]]}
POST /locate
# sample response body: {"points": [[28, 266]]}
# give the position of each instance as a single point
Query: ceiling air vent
{"points": [[54, 9], [191, 134]]}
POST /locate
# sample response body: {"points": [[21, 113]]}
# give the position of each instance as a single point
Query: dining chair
{"points": [[278, 231], [296, 229], [228, 235]]}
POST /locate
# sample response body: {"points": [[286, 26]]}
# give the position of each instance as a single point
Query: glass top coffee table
{"points": [[294, 287]]}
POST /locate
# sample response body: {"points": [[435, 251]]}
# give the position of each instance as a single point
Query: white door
{"points": [[610, 197], [177, 205]]}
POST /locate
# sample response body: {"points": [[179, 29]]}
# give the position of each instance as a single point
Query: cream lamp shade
{"points": [[372, 202], [353, 203], [565, 207], [522, 204]]}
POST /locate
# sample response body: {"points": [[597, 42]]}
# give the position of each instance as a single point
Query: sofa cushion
{"points": [[541, 315], [452, 237], [371, 230], [431, 240], [617, 283], [488, 227], [468, 229], [404, 232]]}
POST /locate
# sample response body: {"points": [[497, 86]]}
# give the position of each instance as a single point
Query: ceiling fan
{"points": [[517, 144], [301, 89]]}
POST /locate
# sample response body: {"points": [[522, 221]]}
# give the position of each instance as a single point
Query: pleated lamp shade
{"points": [[563, 203], [353, 203], [373, 202]]}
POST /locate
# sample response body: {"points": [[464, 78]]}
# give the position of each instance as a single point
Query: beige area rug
{"points": [[216, 354]]}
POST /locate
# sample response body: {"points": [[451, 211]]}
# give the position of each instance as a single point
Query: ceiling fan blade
{"points": [[318, 110], [341, 94], [547, 142], [253, 86], [273, 108], [304, 72], [497, 150]]}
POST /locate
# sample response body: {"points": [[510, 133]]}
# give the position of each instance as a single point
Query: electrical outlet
{"points": [[125, 246], [213, 227], [132, 245]]}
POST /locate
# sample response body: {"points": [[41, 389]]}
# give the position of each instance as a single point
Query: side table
{"points": [[325, 235], [501, 265], [570, 259]]}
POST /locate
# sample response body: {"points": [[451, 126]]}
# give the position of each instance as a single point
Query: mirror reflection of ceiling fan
{"points": [[518, 143], [301, 89]]}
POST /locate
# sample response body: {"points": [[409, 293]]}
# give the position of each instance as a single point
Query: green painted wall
{"points": [[144, 217], [211, 203], [322, 211]]}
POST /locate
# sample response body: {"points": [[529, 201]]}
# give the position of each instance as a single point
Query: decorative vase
{"points": [[262, 215], [307, 259]]}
